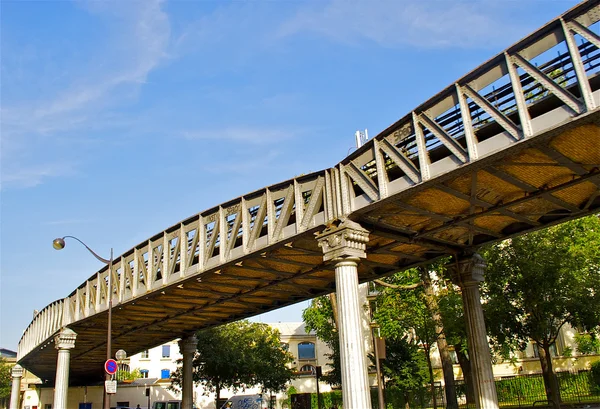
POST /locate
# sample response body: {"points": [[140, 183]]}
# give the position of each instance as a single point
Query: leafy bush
{"points": [[587, 343], [595, 372]]}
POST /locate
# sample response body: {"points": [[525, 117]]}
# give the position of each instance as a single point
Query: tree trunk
{"points": [[550, 380], [406, 400], [465, 365], [217, 394], [333, 300], [431, 380], [442, 344]]}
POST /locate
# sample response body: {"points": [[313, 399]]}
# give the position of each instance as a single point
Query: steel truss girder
{"points": [[268, 219]]}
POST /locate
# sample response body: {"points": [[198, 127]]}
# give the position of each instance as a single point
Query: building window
{"points": [[144, 373], [165, 374], [308, 368], [536, 350], [306, 350], [166, 351], [453, 357], [145, 354]]}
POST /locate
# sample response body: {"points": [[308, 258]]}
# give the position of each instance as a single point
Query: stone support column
{"points": [[15, 393], [345, 245], [64, 341], [188, 347], [467, 274]]}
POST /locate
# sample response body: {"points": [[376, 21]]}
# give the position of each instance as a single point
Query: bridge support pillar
{"points": [[467, 274], [188, 347], [64, 341], [345, 245], [15, 393]]}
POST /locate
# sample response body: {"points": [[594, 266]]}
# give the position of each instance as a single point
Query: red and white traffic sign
{"points": [[111, 367]]}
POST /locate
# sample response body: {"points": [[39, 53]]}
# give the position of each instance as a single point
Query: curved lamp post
{"points": [[59, 244]]}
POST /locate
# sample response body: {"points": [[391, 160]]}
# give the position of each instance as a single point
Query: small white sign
{"points": [[111, 387]]}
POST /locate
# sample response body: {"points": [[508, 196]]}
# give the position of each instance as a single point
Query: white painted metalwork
{"points": [[436, 138]]}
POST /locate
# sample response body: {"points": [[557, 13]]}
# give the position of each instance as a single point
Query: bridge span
{"points": [[510, 147]]}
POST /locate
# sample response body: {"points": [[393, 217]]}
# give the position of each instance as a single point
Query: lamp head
{"points": [[121, 355], [58, 244]]}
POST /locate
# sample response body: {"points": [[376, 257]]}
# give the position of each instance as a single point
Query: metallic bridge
{"points": [[510, 147]]}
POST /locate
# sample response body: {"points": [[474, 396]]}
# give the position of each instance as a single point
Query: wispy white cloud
{"points": [[256, 136], [458, 24], [138, 42], [30, 176]]}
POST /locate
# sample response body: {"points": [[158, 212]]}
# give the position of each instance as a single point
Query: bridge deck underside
{"points": [[539, 182]]}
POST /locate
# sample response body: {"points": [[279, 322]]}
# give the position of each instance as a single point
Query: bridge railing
{"points": [[556, 69]]}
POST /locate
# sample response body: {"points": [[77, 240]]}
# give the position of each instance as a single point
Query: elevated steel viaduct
{"points": [[510, 147]]}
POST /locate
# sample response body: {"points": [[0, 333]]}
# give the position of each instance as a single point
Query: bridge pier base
{"points": [[188, 347], [15, 393], [345, 245], [64, 341], [467, 274]]}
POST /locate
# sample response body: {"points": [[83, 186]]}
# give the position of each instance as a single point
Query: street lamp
{"points": [[120, 355], [59, 244]]}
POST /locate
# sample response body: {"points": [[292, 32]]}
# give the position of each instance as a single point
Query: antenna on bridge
{"points": [[361, 138]]}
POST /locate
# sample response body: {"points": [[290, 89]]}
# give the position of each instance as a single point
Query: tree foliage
{"points": [[5, 379], [237, 356], [587, 343], [404, 366], [319, 317], [538, 282], [403, 313]]}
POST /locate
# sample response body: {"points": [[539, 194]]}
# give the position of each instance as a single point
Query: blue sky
{"points": [[120, 118]]}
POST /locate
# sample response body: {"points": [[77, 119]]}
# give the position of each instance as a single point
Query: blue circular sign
{"points": [[111, 367]]}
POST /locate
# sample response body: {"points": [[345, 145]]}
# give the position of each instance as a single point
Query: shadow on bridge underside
{"points": [[511, 147]]}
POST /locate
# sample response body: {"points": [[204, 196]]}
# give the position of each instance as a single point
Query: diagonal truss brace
{"points": [[315, 199], [584, 32], [562, 94], [515, 81], [582, 79], [286, 211], [453, 146], [508, 125], [362, 180], [465, 115], [401, 160]]}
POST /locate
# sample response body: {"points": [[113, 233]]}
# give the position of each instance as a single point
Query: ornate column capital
{"points": [[346, 240], [188, 345], [65, 339], [17, 371], [467, 272]]}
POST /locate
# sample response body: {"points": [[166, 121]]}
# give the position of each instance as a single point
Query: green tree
{"points": [[402, 312], [270, 361], [319, 317], [239, 355], [538, 282], [125, 375], [455, 328], [404, 366], [5, 379], [587, 343]]}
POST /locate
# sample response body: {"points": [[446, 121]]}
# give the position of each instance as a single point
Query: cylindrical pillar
{"points": [[64, 341], [345, 245], [468, 274], [355, 386], [188, 347], [15, 393]]}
